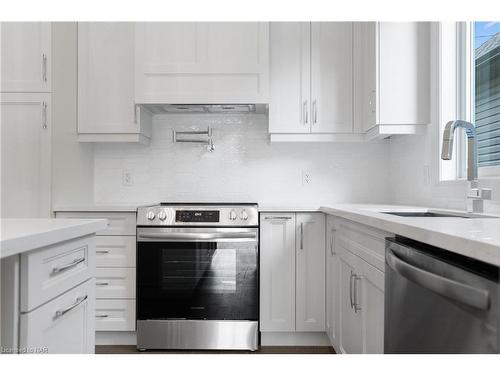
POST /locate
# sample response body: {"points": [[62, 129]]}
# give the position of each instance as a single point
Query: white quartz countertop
{"points": [[477, 238], [21, 235]]}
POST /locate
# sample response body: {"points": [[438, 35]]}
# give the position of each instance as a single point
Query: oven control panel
{"points": [[197, 216], [208, 215]]}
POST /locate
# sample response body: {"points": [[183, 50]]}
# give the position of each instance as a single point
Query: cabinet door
{"points": [[25, 153], [331, 278], [277, 272], [64, 325], [370, 298], [289, 109], [26, 56], [365, 78], [350, 322], [202, 62], [310, 265], [331, 82], [106, 78], [404, 72]]}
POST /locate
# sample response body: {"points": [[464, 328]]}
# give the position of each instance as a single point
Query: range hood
{"points": [[205, 108]]}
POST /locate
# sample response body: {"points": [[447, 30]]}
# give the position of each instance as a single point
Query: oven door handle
{"points": [[197, 236], [463, 293]]}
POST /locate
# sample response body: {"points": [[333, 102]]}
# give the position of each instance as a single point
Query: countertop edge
{"points": [[479, 250], [23, 244]]}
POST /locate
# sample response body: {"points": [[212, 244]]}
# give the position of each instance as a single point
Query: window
{"points": [[486, 62], [470, 90]]}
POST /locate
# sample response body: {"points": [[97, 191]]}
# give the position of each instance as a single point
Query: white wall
{"points": [[245, 166], [73, 162]]}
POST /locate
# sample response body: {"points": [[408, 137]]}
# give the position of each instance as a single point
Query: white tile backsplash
{"points": [[245, 166]]}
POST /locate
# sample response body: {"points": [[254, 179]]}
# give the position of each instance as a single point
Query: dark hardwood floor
{"points": [[131, 349]]}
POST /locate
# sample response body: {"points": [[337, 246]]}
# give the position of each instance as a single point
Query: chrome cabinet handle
{"points": [[44, 67], [102, 251], [331, 241], [372, 101], [102, 316], [74, 263], [301, 236], [356, 305], [78, 301], [315, 112], [277, 218], [457, 291], [305, 113], [350, 289], [44, 115], [101, 283]]}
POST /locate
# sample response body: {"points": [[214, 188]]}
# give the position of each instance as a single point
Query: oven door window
{"points": [[197, 280]]}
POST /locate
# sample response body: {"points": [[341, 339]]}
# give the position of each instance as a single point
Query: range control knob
{"points": [[232, 215], [151, 215], [243, 215], [162, 215]]}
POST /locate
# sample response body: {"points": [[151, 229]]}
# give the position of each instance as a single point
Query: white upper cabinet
{"points": [[277, 272], [311, 78], [202, 62], [290, 62], [331, 77], [26, 56], [106, 85], [26, 129], [392, 70], [310, 270]]}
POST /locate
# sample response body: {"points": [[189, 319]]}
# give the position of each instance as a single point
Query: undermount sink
{"points": [[438, 214]]}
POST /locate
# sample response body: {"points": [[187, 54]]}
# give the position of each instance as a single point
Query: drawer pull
{"points": [[102, 283], [78, 301], [102, 251], [74, 263], [277, 218], [102, 316]]}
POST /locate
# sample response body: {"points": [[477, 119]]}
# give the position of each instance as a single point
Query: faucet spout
{"points": [[447, 149]]}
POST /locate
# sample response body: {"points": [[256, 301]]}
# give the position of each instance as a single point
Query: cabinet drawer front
{"points": [[366, 242], [63, 325], [115, 251], [115, 282], [119, 223], [115, 315], [51, 271]]}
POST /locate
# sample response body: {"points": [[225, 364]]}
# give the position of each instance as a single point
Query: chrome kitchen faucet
{"points": [[477, 195]]}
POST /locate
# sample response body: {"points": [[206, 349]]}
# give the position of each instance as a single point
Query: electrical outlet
{"points": [[306, 178], [127, 177]]}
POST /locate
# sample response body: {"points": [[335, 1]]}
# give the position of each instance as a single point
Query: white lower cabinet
{"points": [[115, 315], [63, 325], [351, 330], [292, 272], [277, 272], [310, 272], [332, 294], [355, 287], [115, 278]]}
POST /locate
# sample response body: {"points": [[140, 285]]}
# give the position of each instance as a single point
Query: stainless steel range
{"points": [[197, 276]]}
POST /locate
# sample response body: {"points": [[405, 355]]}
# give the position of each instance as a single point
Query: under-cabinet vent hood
{"points": [[206, 108]]}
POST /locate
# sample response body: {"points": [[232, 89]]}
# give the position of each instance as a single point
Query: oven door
{"points": [[197, 274]]}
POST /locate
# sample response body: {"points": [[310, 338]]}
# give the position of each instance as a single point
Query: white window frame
{"points": [[466, 96]]}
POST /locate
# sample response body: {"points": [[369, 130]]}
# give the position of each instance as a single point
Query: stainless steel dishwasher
{"points": [[437, 301]]}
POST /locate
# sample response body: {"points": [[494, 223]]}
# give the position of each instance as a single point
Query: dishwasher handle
{"points": [[459, 292]]}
